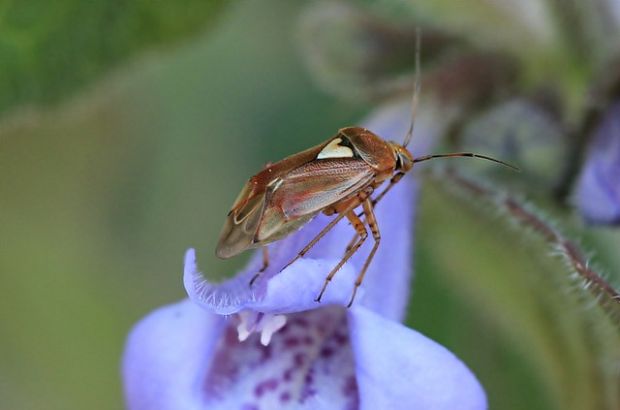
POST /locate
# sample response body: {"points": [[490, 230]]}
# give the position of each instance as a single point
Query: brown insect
{"points": [[334, 177]]}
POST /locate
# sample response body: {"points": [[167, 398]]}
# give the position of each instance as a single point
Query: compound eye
{"points": [[399, 162]]}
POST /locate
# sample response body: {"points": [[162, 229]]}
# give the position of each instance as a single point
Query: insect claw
{"points": [[289, 264], [350, 303], [352, 298], [318, 298], [255, 277]]}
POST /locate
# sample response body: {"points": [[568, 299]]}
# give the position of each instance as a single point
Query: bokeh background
{"points": [[127, 129]]}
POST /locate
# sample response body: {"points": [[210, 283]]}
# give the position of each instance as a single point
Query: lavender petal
{"points": [[398, 368], [597, 193]]}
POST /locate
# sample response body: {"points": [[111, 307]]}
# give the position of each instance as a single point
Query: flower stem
{"points": [[526, 216]]}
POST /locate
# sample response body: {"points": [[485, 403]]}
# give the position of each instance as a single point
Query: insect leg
{"points": [[265, 265], [393, 181], [265, 259], [327, 228], [374, 228], [362, 234], [351, 243]]}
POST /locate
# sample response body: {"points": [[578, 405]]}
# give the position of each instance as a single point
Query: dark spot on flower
{"points": [[299, 359], [301, 321], [230, 337], [291, 341], [288, 374], [265, 386], [247, 406], [308, 388], [308, 341], [350, 386], [285, 396], [341, 338], [326, 352]]}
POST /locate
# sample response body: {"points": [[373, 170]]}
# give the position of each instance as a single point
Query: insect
{"points": [[335, 178]]}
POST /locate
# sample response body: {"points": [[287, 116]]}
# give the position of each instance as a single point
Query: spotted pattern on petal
{"points": [[308, 365]]}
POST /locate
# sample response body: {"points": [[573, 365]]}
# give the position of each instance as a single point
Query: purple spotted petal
{"points": [[309, 364], [386, 285], [598, 189], [422, 374], [183, 357]]}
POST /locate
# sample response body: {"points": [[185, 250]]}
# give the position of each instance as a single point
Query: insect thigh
{"points": [[350, 207], [374, 228], [362, 234]]}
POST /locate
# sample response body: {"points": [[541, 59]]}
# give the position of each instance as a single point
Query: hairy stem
{"points": [[526, 216]]}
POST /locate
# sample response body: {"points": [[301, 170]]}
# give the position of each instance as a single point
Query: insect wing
{"points": [[241, 225], [287, 194], [318, 184]]}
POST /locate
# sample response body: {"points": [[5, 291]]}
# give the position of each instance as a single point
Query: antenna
{"points": [[465, 154], [416, 86]]}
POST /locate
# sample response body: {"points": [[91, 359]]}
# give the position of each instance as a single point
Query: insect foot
{"points": [[254, 278]]}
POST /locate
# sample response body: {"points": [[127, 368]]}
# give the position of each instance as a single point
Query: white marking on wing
{"points": [[335, 150]]}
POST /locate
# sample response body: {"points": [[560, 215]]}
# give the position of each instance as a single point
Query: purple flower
{"points": [[598, 188], [272, 346]]}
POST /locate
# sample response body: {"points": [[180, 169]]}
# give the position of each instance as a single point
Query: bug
{"points": [[335, 177]]}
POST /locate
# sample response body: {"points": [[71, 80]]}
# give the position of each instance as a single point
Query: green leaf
{"points": [[514, 301], [49, 48]]}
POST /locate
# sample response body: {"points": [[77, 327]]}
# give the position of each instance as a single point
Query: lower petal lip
{"points": [[399, 368], [182, 357], [292, 290]]}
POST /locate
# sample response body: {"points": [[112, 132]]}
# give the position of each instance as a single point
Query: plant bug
{"points": [[335, 177]]}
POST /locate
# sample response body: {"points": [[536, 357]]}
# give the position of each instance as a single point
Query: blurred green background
{"points": [[113, 165]]}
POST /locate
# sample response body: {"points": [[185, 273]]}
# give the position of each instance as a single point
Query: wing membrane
{"points": [[318, 184], [289, 201]]}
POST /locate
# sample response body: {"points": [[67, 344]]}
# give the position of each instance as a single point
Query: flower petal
{"points": [[398, 368], [308, 365], [598, 189], [182, 357], [293, 290], [165, 354]]}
